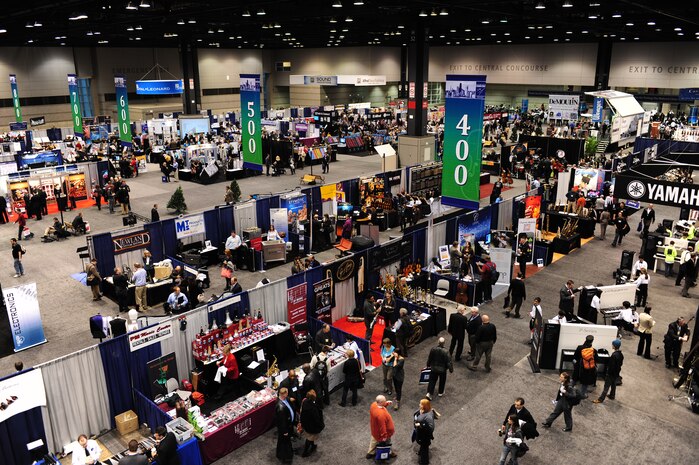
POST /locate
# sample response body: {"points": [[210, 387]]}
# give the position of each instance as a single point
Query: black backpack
{"points": [[322, 367], [574, 397]]}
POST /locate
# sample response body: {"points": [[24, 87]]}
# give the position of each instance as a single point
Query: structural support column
{"points": [[190, 76], [604, 63], [418, 64], [403, 90]]}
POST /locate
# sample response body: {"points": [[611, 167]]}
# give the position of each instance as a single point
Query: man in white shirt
{"points": [[560, 318], [176, 302], [87, 452], [536, 309], [627, 318], [685, 256], [640, 263], [233, 242], [139, 280]]}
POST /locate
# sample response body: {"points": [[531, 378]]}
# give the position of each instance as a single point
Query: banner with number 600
{"points": [[123, 119], [463, 133], [251, 121]]}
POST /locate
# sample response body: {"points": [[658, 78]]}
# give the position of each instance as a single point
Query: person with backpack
{"points": [[616, 360], [585, 360], [423, 421], [489, 276], [320, 364], [512, 440], [565, 399]]}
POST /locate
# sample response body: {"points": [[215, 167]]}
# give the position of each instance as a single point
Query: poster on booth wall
{"points": [[296, 307], [189, 226], [503, 263], [251, 121], [340, 193], [476, 225], [327, 193], [22, 305], [280, 221], [588, 179], [297, 209], [532, 206], [151, 335], [463, 132], [21, 393], [159, 371], [323, 292], [527, 227]]}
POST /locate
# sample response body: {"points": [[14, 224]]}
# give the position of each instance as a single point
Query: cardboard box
{"points": [[126, 422]]}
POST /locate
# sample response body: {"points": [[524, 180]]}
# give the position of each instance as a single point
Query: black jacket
{"points": [[486, 333], [517, 290], [439, 360], [167, 451], [523, 415], [236, 288], [457, 325], [616, 360], [313, 381], [674, 332], [566, 301], [282, 416], [295, 394], [322, 339], [648, 215], [311, 417], [352, 371], [472, 324]]}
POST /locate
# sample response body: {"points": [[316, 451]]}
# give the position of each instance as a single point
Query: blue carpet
{"points": [[80, 277]]}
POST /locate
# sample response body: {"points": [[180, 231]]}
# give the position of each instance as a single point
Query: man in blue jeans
{"points": [[17, 254]]}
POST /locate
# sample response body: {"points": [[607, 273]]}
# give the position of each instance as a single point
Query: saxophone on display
{"points": [[273, 372]]}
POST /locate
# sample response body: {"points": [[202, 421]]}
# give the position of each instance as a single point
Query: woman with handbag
{"points": [[511, 441], [311, 422], [398, 375], [227, 268], [353, 378], [423, 421], [94, 279]]}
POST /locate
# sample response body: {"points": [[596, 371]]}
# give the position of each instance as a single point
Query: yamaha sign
{"points": [[655, 191]]}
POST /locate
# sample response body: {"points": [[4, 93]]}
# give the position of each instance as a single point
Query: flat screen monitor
{"points": [[487, 238], [194, 126], [342, 140], [344, 209]]}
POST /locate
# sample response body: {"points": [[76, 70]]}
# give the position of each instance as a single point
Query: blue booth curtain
{"points": [[225, 221], [275, 202], [263, 216], [419, 245], [156, 240], [494, 209], [169, 237], [211, 226], [138, 365], [237, 309], [115, 359], [18, 431], [148, 412], [104, 253], [451, 230]]}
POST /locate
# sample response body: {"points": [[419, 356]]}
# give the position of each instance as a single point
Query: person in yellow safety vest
{"points": [[670, 254], [691, 232]]}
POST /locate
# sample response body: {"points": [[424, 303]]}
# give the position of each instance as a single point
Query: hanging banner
{"points": [[297, 209], [322, 290], [597, 108], [250, 119], [463, 133], [647, 190], [22, 393], [564, 107], [527, 227], [296, 307], [25, 318], [75, 105], [150, 336], [15, 98], [160, 87], [129, 242], [532, 206], [122, 98], [190, 225], [525, 105]]}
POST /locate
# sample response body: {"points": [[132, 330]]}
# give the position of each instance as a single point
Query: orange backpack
{"points": [[588, 358]]}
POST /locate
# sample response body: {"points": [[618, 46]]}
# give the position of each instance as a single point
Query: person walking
{"points": [[486, 336], [17, 254], [312, 422], [387, 350], [94, 279], [517, 292], [423, 433], [604, 219], [403, 329], [381, 425], [645, 333], [21, 223], [398, 376], [353, 378], [285, 419], [533, 314], [616, 360], [563, 404], [457, 329], [523, 254], [622, 228], [566, 301], [474, 322], [511, 441], [97, 195], [642, 287], [439, 361]]}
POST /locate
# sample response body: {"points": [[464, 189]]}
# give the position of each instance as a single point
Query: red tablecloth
{"points": [[227, 439]]}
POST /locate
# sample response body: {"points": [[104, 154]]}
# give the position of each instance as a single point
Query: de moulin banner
{"points": [[75, 105], [123, 110], [250, 119], [463, 134], [25, 318], [15, 98]]}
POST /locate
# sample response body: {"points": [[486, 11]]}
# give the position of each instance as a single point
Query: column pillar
{"points": [[418, 56], [604, 63], [190, 73]]}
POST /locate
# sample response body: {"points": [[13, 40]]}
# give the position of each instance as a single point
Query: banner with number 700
{"points": [[463, 134]]}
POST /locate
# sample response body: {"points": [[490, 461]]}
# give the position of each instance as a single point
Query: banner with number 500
{"points": [[251, 121], [123, 119], [463, 133]]}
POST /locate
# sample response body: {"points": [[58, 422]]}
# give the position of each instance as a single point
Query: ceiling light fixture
{"points": [[139, 27], [246, 13], [616, 15], [192, 21], [651, 23], [503, 20], [485, 21], [211, 31], [676, 29], [130, 28], [592, 16], [180, 22], [261, 12], [29, 25], [337, 4], [38, 24], [131, 6], [433, 13], [540, 6], [277, 25], [348, 19], [423, 13], [444, 12], [567, 4], [358, 2], [145, 4], [333, 20], [77, 16]]}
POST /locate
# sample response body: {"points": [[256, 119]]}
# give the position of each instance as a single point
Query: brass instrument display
{"points": [[569, 228], [273, 372]]}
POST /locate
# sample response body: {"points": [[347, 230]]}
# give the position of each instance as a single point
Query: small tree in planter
{"points": [[591, 147], [176, 202], [235, 191]]}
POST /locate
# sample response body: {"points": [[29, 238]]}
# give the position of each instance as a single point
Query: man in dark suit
{"points": [[369, 314], [529, 427], [323, 338], [677, 332], [154, 215], [472, 324], [311, 380], [457, 329], [648, 217], [166, 450], [517, 293], [690, 273], [285, 419], [133, 456], [291, 383], [236, 288], [567, 299]]}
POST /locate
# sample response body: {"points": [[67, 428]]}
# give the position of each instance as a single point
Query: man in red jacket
{"points": [[382, 428], [229, 383]]}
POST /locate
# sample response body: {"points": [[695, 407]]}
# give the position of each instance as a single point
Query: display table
{"points": [[428, 327], [566, 245], [237, 173], [156, 293], [188, 452], [485, 179], [226, 439], [555, 220], [454, 282]]}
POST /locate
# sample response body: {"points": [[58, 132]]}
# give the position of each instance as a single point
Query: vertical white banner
{"points": [[21, 393], [503, 263], [527, 226]]}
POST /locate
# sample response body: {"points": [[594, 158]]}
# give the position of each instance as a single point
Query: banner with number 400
{"points": [[463, 134]]}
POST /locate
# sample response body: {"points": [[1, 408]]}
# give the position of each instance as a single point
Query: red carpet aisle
{"points": [[486, 190], [67, 216], [358, 330]]}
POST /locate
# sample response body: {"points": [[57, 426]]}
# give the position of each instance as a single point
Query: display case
{"points": [[424, 178]]}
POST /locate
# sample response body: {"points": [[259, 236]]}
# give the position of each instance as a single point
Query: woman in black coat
{"points": [[311, 422], [353, 378], [121, 285]]}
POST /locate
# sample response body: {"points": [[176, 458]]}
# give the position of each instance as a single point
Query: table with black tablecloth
{"points": [[454, 281], [226, 439], [429, 327], [156, 293]]}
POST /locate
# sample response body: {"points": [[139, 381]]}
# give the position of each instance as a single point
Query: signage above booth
{"points": [[689, 95], [655, 191], [18, 126], [359, 80], [189, 226], [133, 241], [320, 80], [160, 87]]}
